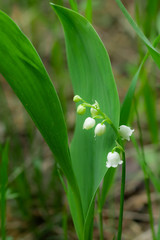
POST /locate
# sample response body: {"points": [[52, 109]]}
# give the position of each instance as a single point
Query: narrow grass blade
{"points": [[92, 79], [146, 178], [154, 53], [150, 16], [89, 10], [73, 4], [3, 189], [38, 179], [154, 179], [126, 105], [150, 103]]}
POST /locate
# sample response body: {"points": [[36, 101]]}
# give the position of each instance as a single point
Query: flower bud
{"points": [[94, 112], [77, 98], [113, 160], [81, 109], [125, 132], [100, 129], [89, 123]]}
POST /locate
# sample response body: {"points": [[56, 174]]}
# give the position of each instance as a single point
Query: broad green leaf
{"points": [[154, 53], [22, 68], [92, 79]]}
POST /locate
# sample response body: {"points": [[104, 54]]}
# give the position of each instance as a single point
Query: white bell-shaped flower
{"points": [[89, 123], [113, 160], [100, 129], [81, 109], [125, 132]]}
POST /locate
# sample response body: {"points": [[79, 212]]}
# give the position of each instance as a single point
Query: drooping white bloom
{"points": [[125, 132], [81, 109], [113, 160], [100, 129], [89, 123], [76, 98]]}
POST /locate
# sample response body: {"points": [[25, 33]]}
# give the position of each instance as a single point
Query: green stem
{"points": [[100, 216], [108, 120], [122, 197]]}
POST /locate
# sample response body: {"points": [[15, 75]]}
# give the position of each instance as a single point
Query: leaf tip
{"points": [[54, 5]]}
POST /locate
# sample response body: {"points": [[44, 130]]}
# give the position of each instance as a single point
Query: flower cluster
{"points": [[123, 133], [95, 113]]}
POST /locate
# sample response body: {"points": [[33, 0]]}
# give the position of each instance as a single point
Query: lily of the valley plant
{"points": [[91, 156]]}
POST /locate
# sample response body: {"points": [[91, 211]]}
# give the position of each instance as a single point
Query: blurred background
{"points": [[36, 204]]}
